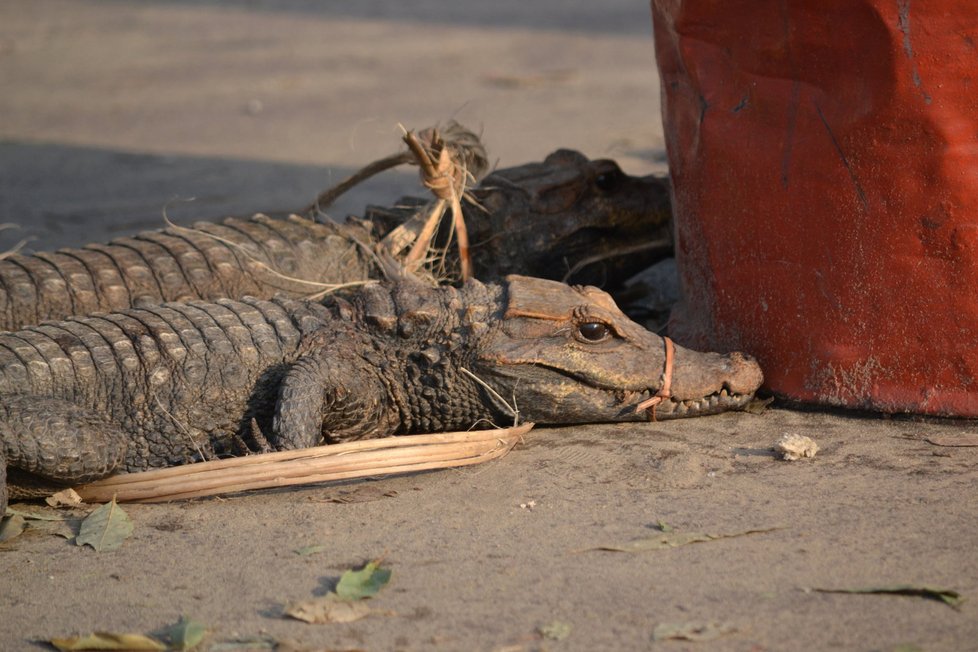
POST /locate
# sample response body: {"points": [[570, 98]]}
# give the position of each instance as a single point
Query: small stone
{"points": [[794, 447]]}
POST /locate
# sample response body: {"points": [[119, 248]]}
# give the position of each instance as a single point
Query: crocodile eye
{"points": [[608, 181], [593, 331]]}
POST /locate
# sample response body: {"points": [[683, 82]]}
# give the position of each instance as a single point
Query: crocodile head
{"points": [[569, 218], [568, 355]]}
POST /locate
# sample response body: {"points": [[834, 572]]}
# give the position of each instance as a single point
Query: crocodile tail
{"points": [[258, 257]]}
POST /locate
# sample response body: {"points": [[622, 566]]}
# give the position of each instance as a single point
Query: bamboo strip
{"points": [[384, 456], [312, 479], [364, 462], [332, 450]]}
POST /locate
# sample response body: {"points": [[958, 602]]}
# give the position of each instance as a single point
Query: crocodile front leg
{"points": [[325, 397], [57, 441]]}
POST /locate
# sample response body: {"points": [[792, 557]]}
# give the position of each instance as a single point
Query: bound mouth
{"points": [[674, 408]]}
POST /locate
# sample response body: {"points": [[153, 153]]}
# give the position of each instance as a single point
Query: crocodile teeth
{"points": [[717, 402]]}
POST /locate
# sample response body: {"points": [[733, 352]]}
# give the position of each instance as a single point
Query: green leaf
{"points": [[105, 528], [11, 527], [311, 549], [185, 634], [952, 599], [328, 609], [363, 583], [555, 631], [108, 641], [692, 631], [673, 539]]}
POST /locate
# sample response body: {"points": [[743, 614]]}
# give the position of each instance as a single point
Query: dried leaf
{"points": [[11, 527], [327, 609], [108, 641], [311, 549], [32, 516], [708, 631], [363, 583], [952, 599], [967, 439], [105, 528], [43, 523], [185, 634], [674, 539], [558, 630], [66, 498]]}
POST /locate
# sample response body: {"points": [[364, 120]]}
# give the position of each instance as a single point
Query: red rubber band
{"points": [[666, 390]]}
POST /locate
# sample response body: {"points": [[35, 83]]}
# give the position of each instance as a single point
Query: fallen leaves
{"points": [[364, 583], [185, 634], [17, 522], [952, 599], [108, 641], [327, 609], [348, 602], [33, 516], [674, 539], [105, 529]]}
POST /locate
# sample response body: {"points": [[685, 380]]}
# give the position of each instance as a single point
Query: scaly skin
{"points": [[535, 219], [158, 386], [231, 258]]}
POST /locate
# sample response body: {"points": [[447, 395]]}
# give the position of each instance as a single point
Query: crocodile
{"points": [[157, 386], [538, 219]]}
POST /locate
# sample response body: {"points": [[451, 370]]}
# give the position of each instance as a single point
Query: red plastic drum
{"points": [[824, 158]]}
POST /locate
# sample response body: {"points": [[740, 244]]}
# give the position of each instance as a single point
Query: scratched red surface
{"points": [[824, 157]]}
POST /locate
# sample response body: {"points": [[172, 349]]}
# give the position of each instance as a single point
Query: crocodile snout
{"points": [[705, 383]]}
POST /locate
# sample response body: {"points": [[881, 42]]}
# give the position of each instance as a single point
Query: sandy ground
{"points": [[112, 110]]}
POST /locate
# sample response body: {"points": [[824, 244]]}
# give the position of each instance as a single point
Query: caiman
{"points": [[539, 219], [171, 384]]}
